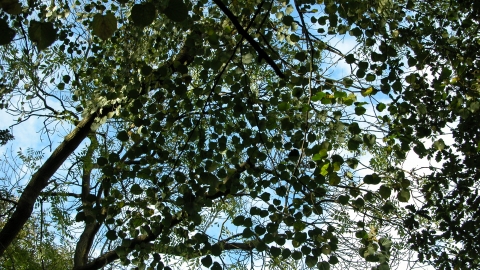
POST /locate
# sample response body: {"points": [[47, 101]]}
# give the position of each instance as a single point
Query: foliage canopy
{"points": [[231, 134]]}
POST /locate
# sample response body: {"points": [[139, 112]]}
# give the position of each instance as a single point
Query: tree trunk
{"points": [[40, 180]]}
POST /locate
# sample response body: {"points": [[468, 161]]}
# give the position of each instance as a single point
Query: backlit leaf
{"points": [[143, 14], [176, 11], [7, 33], [42, 33], [104, 26]]}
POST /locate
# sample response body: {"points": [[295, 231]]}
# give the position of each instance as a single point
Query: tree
{"points": [[184, 116], [34, 248], [446, 98]]}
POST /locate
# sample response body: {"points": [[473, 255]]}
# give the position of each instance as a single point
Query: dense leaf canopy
{"points": [[236, 134]]}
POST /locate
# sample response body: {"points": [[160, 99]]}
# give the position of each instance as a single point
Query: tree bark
{"points": [[85, 241], [40, 179]]}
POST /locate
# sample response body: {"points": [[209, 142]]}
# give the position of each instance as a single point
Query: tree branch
{"points": [[111, 256], [261, 52], [40, 179], [69, 194]]}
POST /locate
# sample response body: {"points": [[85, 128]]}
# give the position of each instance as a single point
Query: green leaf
{"points": [[7, 33], [352, 163], [80, 217], [367, 92], [369, 139], [412, 61], [354, 143], [42, 33], [347, 82], [238, 221], [284, 106], [361, 234], [360, 110], [111, 235], [383, 266], [370, 77], [350, 59], [286, 253], [380, 107], [388, 207], [104, 26], [12, 7], [403, 195], [216, 250], [333, 179], [207, 261], [176, 11], [66, 78], [102, 161], [343, 199], [326, 249], [354, 128], [297, 255], [294, 38], [122, 136], [410, 79], [333, 260], [260, 230], [385, 243], [216, 266], [247, 233], [301, 56], [356, 32], [310, 261], [143, 14], [337, 162], [360, 73], [372, 179], [289, 9], [265, 196], [275, 251], [439, 144], [318, 96], [324, 169], [384, 191], [323, 266], [287, 20], [136, 189], [359, 203]]}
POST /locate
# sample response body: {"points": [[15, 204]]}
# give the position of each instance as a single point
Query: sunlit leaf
{"points": [[403, 195]]}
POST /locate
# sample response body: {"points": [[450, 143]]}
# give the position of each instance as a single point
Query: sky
{"points": [[28, 134]]}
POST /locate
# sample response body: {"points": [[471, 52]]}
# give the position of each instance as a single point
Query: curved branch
{"points": [[40, 180]]}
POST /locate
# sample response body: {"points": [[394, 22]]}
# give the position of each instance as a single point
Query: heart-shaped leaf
{"points": [[42, 33], [104, 26]]}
